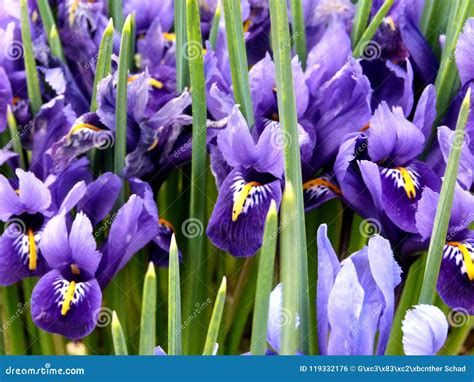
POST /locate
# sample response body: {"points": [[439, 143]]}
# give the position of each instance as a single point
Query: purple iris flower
{"points": [[355, 298], [456, 278], [26, 208], [147, 11], [68, 298], [378, 167], [425, 330], [249, 178]]}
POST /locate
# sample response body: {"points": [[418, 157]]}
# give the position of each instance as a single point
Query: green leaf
{"points": [[443, 211], [55, 43], [372, 28], [12, 329], [289, 273], [361, 18], [238, 58], [174, 302], [196, 245], [433, 22], [289, 124], [215, 25], [115, 10], [15, 137], [299, 31], [216, 318], [258, 343], [182, 68], [102, 68], [121, 102], [463, 324], [411, 291], [32, 80], [148, 317], [118, 338]]}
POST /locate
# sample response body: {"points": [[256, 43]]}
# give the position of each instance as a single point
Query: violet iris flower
{"points": [[355, 298], [250, 179], [456, 277], [378, 166]]}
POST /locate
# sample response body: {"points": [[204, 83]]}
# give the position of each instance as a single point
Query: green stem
{"points": [[238, 58], [174, 302], [12, 324], [372, 28], [15, 137], [116, 12], [258, 343], [289, 124], [182, 68], [148, 317], [216, 318], [458, 336], [32, 80], [55, 44], [299, 31], [215, 26], [440, 226], [361, 19], [118, 338], [196, 244]]}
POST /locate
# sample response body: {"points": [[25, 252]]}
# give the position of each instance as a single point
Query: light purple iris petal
{"points": [[5, 98], [46, 305], [74, 195], [386, 274], [426, 212], [55, 244], [262, 83], [300, 87], [34, 194], [268, 151], [425, 330], [464, 49], [159, 351], [425, 112], [446, 139], [10, 204], [371, 175], [100, 197], [275, 317], [6, 155], [328, 268], [344, 309]]}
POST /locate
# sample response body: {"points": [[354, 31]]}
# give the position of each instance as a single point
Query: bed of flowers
{"points": [[258, 177]]}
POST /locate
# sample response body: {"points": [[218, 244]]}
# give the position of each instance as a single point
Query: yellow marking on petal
{"points": [[15, 100], [467, 258], [34, 16], [365, 127], [151, 81], [32, 252], [75, 269], [68, 298], [72, 11], [169, 36], [390, 22], [81, 126], [247, 25], [408, 182], [153, 145], [241, 197], [166, 223], [17, 191], [322, 182]]}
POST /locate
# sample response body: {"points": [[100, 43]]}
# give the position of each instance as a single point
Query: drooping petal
{"points": [[10, 204], [425, 330], [238, 219], [55, 243], [64, 306], [328, 268], [425, 113], [34, 194]]}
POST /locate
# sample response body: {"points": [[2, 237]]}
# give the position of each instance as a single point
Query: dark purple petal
{"points": [[160, 246], [425, 113], [48, 310], [319, 190]]}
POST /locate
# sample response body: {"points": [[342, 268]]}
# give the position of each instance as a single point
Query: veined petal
{"points": [[33, 193], [64, 306], [425, 330], [10, 204], [238, 219], [320, 190], [464, 48]]}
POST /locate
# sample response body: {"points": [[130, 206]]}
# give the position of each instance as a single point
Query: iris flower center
{"points": [[409, 185], [466, 257], [239, 201], [32, 258], [321, 182], [68, 298]]}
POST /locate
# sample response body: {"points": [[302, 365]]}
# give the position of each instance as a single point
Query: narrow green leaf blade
{"points": [[463, 324], [289, 124], [182, 69], [299, 31], [121, 102], [15, 137], [443, 211], [148, 317], [216, 318], [361, 18], [55, 43], [116, 12], [372, 28], [174, 302], [215, 25], [258, 343], [32, 80], [118, 338], [102, 67], [289, 274], [238, 58]]}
